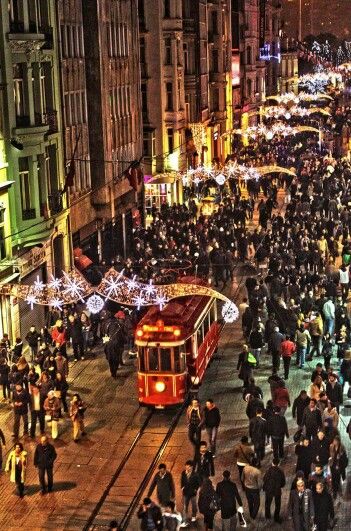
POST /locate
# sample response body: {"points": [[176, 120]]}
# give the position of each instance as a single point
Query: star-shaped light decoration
{"points": [[132, 283], [150, 289], [31, 300], [38, 284], [113, 284], [56, 303], [73, 287], [139, 301], [161, 301], [55, 283]]}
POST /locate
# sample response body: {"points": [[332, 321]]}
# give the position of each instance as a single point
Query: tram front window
{"points": [[165, 357], [153, 359]]}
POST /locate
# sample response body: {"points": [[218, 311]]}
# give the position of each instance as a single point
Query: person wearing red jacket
{"points": [[58, 335], [287, 349], [281, 398]]}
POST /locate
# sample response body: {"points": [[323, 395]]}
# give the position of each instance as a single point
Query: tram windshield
{"points": [[158, 359]]}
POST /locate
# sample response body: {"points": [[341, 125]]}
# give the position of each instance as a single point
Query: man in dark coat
{"points": [[320, 449], [323, 507], [303, 450], [258, 433], [334, 391], [204, 465], [114, 344], [189, 483], [312, 419], [299, 406], [165, 489], [150, 515], [277, 429], [76, 334], [228, 495], [301, 507], [44, 458], [273, 482], [20, 401]]}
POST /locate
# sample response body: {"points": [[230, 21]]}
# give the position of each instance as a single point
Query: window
{"points": [[169, 96], [165, 359], [142, 50], [248, 55], [23, 170], [214, 60], [144, 99], [179, 94], [215, 99], [153, 359], [167, 8], [214, 21], [2, 243], [248, 88], [168, 51], [186, 57], [170, 137], [18, 89]]}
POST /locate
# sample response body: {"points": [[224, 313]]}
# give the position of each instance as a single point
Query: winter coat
{"points": [[304, 457], [165, 488], [22, 399], [206, 496], [320, 451], [252, 406], [59, 335], [52, 407], [315, 390], [312, 419], [4, 373], [204, 465], [76, 331], [189, 484], [44, 455], [228, 495], [212, 417], [252, 477], [277, 426], [298, 408], [243, 453], [281, 397], [323, 509], [307, 510], [32, 338], [273, 481], [11, 465], [334, 393], [156, 515], [62, 365], [258, 431]]}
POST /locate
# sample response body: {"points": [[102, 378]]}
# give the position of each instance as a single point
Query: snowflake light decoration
{"points": [[113, 284], [150, 289], [230, 312], [132, 284], [95, 303], [38, 284], [139, 301], [73, 287], [161, 301], [31, 300], [55, 283], [56, 303]]}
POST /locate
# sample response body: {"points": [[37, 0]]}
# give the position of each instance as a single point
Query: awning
{"points": [[34, 239], [164, 179], [5, 184], [10, 278]]}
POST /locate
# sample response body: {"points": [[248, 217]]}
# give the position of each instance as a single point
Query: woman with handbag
{"points": [[17, 465], [208, 503], [76, 412]]}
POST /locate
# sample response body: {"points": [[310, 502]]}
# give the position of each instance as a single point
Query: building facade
{"points": [[32, 134]]}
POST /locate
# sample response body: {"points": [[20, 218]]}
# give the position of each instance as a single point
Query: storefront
{"points": [[161, 189]]}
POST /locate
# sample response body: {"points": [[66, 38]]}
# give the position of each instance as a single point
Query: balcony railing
{"points": [[55, 202], [30, 213], [49, 118]]}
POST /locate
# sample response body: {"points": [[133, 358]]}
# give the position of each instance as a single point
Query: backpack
{"points": [[251, 360]]}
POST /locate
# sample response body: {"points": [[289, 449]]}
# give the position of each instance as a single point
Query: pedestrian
{"points": [[301, 507], [334, 391], [338, 464], [17, 466], [281, 397], [330, 418], [320, 448], [228, 496], [302, 340], [195, 422], [61, 364], [287, 349], [204, 465], [246, 363], [75, 329], [37, 412], [52, 407], [243, 453], [190, 483], [258, 434], [273, 482], [33, 337], [171, 518], [320, 473], [299, 405], [4, 379], [44, 458], [323, 508], [274, 346], [208, 504], [150, 516], [164, 484], [316, 387], [212, 420], [76, 412], [2, 443], [252, 483], [61, 388], [20, 402], [304, 453], [277, 429], [312, 419]]}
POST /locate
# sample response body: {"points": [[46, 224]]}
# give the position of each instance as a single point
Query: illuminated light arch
{"points": [[307, 129], [264, 170]]}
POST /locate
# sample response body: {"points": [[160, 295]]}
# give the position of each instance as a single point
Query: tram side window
{"points": [[153, 359], [141, 358], [179, 359], [166, 361], [200, 336], [206, 325]]}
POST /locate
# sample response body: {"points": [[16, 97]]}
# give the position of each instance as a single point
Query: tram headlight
{"points": [[139, 333], [160, 386]]}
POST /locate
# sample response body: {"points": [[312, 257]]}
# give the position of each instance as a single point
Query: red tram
{"points": [[175, 345]]}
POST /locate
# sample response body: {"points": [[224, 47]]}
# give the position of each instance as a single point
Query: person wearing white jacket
{"points": [[344, 281], [329, 316]]}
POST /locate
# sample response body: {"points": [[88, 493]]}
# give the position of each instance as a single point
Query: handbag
{"points": [[297, 435], [214, 504]]}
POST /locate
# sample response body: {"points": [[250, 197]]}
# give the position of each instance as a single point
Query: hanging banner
{"points": [[262, 27]]}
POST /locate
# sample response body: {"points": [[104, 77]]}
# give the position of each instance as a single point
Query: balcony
{"points": [[55, 202], [23, 40], [49, 118], [30, 213], [44, 123]]}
